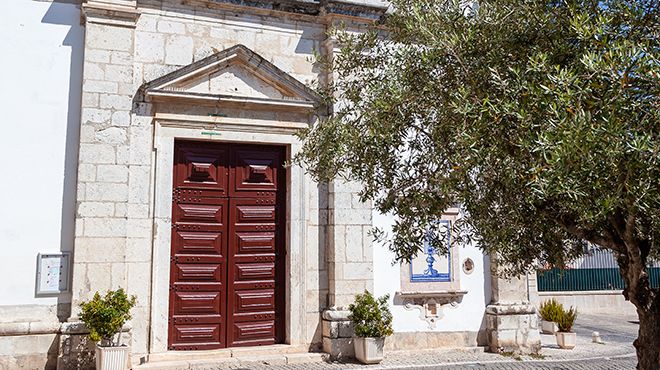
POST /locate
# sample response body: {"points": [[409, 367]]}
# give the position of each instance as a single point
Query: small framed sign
{"points": [[52, 273]]}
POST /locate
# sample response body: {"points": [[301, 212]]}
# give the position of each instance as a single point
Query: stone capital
{"points": [[112, 12]]}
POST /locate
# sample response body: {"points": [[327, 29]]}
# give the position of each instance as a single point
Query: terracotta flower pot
{"points": [[566, 340], [369, 350], [549, 327], [112, 358]]}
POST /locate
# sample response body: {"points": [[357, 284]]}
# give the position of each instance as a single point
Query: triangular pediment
{"points": [[233, 76]]}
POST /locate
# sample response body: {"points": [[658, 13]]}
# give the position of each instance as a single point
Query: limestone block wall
{"points": [[350, 249], [114, 221]]}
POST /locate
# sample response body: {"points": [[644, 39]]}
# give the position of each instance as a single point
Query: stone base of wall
{"points": [[337, 334], [513, 328], [29, 351], [338, 337], [76, 351], [429, 340], [593, 301]]}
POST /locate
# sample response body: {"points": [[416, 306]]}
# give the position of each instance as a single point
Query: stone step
{"points": [[243, 359]]}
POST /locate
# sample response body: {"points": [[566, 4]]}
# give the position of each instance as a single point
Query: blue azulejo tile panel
{"points": [[432, 265]]}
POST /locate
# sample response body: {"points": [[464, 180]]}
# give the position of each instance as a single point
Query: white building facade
{"points": [[159, 133]]}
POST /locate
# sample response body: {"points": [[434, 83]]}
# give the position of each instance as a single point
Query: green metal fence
{"points": [[597, 270], [557, 280]]}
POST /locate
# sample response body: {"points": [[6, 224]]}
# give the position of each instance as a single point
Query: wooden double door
{"points": [[227, 259]]}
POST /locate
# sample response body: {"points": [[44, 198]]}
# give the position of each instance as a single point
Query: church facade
{"points": [[175, 122]]}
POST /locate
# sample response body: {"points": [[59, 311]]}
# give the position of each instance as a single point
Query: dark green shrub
{"points": [[372, 317], [566, 320], [551, 310], [105, 316]]}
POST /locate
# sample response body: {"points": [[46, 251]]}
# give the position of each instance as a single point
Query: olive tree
{"points": [[539, 118]]}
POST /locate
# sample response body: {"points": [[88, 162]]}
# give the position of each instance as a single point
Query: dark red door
{"points": [[227, 265]]}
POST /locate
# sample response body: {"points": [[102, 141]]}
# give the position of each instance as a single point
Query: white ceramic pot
{"points": [[112, 358], [369, 350], [566, 340], [549, 327]]}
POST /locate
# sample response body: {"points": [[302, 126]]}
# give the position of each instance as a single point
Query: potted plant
{"points": [[372, 321], [104, 317], [550, 311], [565, 337]]}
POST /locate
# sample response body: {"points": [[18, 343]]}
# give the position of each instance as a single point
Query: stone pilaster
{"points": [[350, 262], [512, 323], [113, 226]]}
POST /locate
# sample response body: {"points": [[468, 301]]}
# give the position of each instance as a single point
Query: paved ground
{"points": [[616, 353]]}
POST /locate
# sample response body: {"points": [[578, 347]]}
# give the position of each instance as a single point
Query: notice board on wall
{"points": [[52, 273]]}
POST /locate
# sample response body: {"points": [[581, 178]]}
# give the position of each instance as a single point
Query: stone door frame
{"points": [[165, 131]]}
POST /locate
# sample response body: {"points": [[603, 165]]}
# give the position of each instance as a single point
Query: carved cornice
{"points": [[124, 13], [323, 11]]}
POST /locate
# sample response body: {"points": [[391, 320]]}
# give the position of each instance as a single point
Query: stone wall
{"points": [[129, 43]]}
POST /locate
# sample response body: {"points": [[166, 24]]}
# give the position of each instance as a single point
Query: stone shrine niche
{"points": [[430, 282]]}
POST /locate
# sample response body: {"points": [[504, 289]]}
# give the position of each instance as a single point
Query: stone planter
{"points": [[549, 327], [369, 350], [112, 358], [566, 340]]}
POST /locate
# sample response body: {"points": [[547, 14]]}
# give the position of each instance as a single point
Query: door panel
{"points": [[253, 292], [227, 265], [201, 166], [256, 171]]}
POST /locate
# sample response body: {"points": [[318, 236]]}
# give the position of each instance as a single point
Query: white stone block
{"points": [[103, 191], [119, 275], [139, 228], [340, 200], [138, 249], [119, 73], [358, 271], [141, 146], [90, 100], [93, 115], [139, 279], [351, 216], [171, 27], [111, 135], [118, 102], [123, 154], [121, 57], [100, 250], [120, 210], [100, 86], [93, 71], [197, 29], [139, 184], [137, 210], [97, 56], [109, 37], [179, 50], [149, 47], [97, 153], [121, 118], [147, 23], [86, 172], [105, 227], [153, 71], [112, 173], [95, 209]]}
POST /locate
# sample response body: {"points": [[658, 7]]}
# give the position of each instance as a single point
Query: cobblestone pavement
{"points": [[616, 353]]}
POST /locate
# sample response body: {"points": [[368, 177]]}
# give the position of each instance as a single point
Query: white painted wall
{"points": [[467, 316], [41, 70]]}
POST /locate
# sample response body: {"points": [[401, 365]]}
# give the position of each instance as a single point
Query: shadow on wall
{"points": [[482, 338], [61, 14]]}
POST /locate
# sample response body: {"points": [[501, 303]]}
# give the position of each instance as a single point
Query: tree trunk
{"points": [[648, 340], [647, 301]]}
